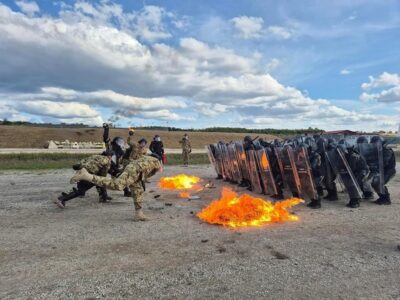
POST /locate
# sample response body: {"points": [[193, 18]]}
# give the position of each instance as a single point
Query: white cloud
{"points": [[386, 86], [280, 32], [345, 72], [273, 64], [28, 7], [248, 27], [53, 64]]}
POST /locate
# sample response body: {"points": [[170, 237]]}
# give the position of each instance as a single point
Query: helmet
{"points": [[362, 140], [247, 139], [343, 147], [142, 141], [310, 143], [322, 143], [118, 146], [343, 142], [376, 138]]}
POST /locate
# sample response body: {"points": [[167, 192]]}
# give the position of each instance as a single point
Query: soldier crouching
{"points": [[97, 165], [133, 177]]}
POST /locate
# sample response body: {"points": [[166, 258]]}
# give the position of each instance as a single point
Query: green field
{"points": [[46, 161]]}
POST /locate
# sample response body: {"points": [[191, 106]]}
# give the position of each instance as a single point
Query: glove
{"points": [[76, 167]]}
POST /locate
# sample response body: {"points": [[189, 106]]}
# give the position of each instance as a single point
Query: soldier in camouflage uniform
{"points": [[186, 149], [134, 152], [133, 177], [98, 165]]}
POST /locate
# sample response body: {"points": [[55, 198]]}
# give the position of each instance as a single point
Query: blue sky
{"points": [[255, 64]]}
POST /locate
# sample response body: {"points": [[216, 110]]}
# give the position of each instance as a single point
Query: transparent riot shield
{"points": [[304, 171], [253, 171], [224, 165], [212, 157], [267, 177], [236, 173], [329, 171], [241, 157], [340, 164], [289, 170], [373, 154]]}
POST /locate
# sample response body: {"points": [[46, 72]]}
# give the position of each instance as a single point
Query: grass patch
{"points": [[47, 161]]}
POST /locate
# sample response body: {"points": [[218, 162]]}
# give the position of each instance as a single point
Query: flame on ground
{"points": [[245, 210], [179, 182]]}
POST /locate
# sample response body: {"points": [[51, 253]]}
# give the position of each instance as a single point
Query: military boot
{"points": [[82, 174], [103, 197], [60, 202], [139, 216], [314, 204], [353, 203], [384, 199], [127, 192]]}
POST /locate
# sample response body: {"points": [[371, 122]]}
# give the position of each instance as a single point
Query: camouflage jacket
{"points": [[186, 145], [96, 164]]}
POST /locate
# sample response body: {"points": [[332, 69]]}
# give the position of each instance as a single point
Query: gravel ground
{"points": [[92, 250]]}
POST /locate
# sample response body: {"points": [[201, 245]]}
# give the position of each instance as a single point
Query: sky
{"points": [[196, 64]]}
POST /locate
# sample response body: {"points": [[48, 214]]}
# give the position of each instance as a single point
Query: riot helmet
{"points": [[376, 138], [362, 140]]}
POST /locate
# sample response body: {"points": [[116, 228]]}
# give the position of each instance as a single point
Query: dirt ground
{"points": [[92, 250]]}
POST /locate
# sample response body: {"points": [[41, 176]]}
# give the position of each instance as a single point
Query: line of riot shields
{"points": [[305, 167]]}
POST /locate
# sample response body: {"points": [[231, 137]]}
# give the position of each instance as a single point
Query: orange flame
{"points": [[264, 161], [245, 211], [179, 182]]}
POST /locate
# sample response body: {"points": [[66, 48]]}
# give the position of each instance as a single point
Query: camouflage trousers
{"points": [[130, 178], [185, 157]]}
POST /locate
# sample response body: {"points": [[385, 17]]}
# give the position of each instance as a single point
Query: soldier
{"points": [[389, 170], [98, 165], [133, 177], [157, 147], [323, 146], [366, 187], [186, 149], [359, 167]]}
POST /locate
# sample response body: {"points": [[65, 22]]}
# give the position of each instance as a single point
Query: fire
{"points": [[179, 182], [184, 195], [264, 161], [245, 211]]}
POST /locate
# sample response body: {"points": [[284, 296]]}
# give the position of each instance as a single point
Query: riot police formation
{"points": [[308, 167]]}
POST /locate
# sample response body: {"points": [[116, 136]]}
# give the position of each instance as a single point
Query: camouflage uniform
{"points": [[134, 151], [186, 149], [97, 165], [132, 177]]}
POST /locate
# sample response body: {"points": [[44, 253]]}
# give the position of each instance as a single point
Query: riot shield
{"points": [[253, 172], [214, 156], [236, 174], [341, 166], [305, 174], [329, 171], [373, 154], [287, 164], [241, 157], [224, 165], [264, 167]]}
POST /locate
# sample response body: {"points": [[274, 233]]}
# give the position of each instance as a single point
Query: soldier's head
{"points": [[185, 136], [157, 138], [376, 138], [247, 139], [362, 140], [131, 131], [142, 142], [118, 146], [343, 148]]}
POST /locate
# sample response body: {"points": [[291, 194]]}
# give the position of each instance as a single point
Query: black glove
{"points": [[76, 167]]}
